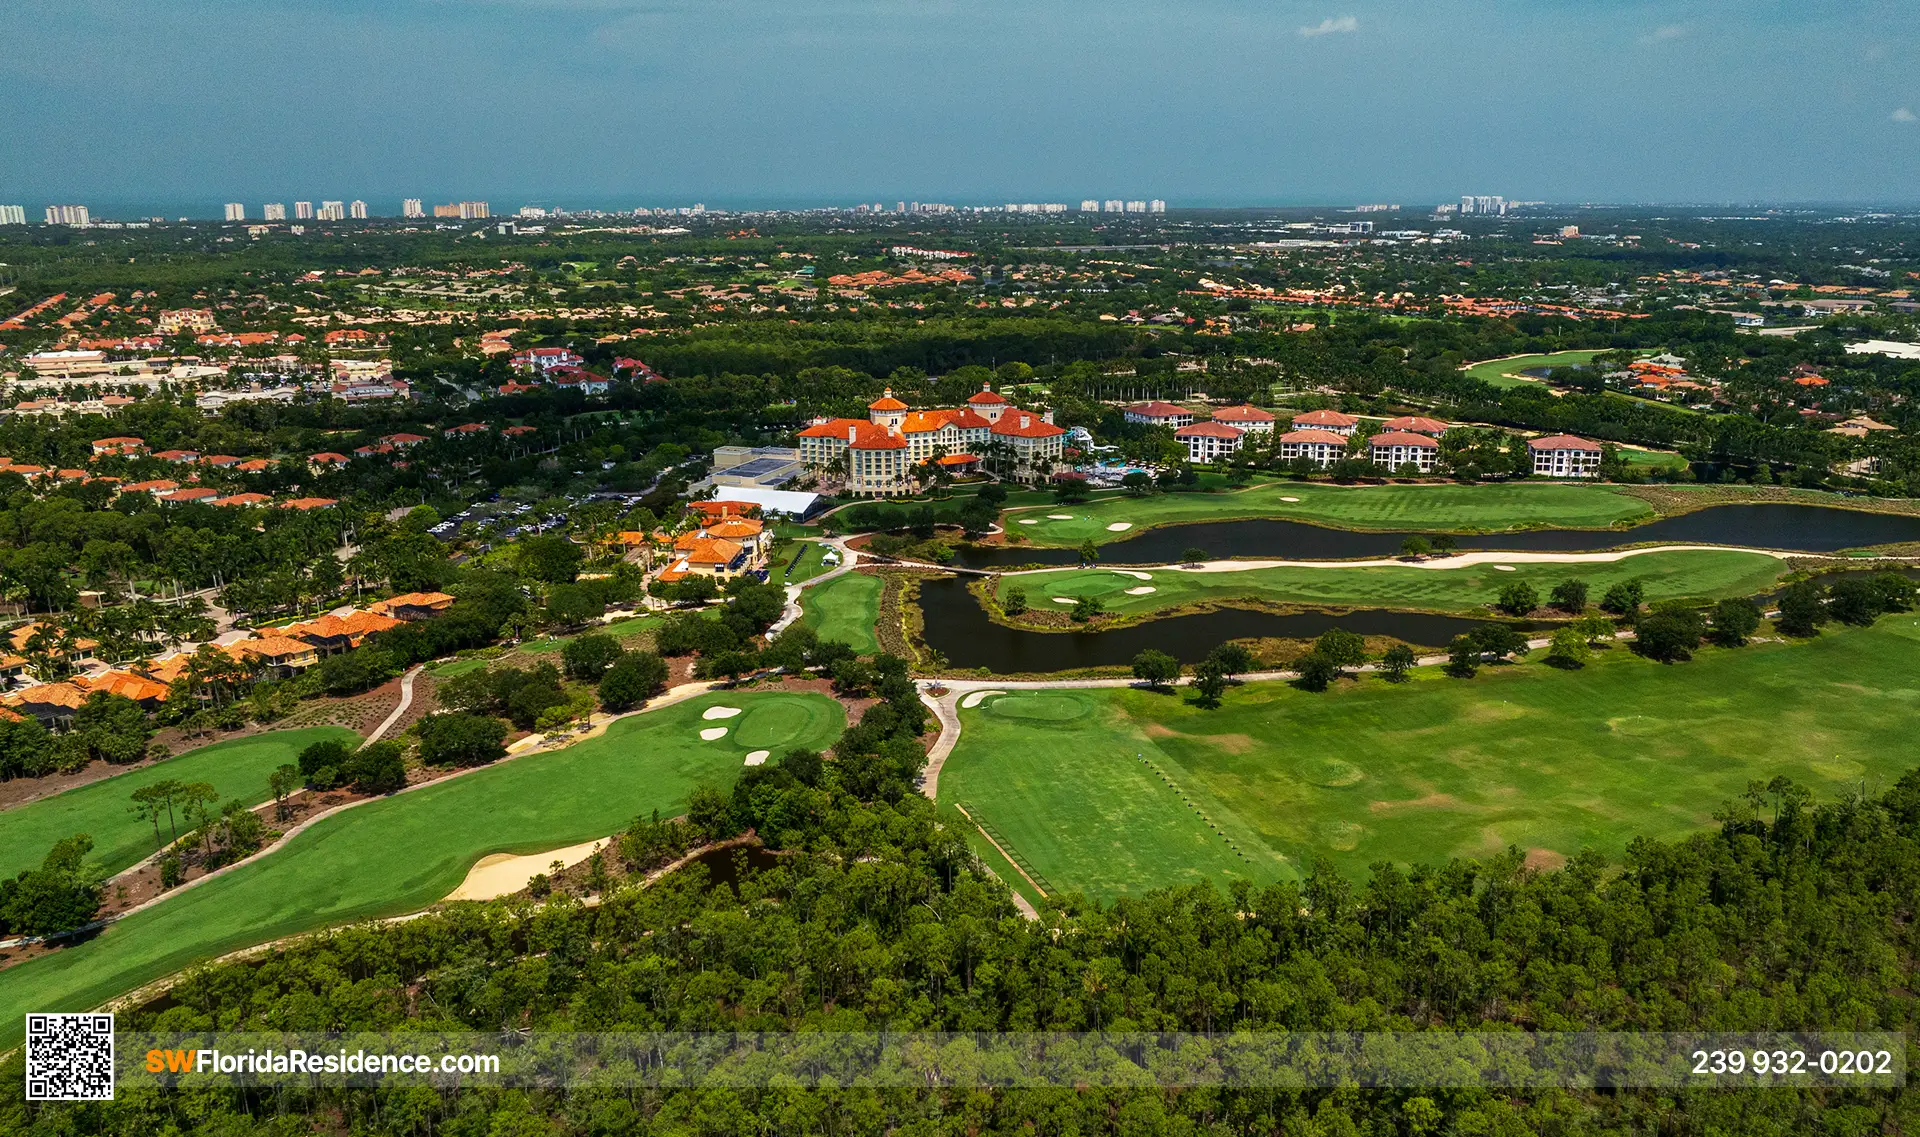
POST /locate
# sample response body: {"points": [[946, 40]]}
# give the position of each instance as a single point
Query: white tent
{"points": [[791, 503]]}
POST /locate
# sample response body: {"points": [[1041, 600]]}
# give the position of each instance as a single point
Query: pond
{"points": [[959, 629], [1790, 528]]}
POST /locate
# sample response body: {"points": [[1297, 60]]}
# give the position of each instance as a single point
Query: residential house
{"points": [[706, 556], [280, 656], [157, 488], [1252, 420], [1321, 447], [192, 495], [243, 499], [1157, 413], [541, 360], [1393, 449], [305, 504], [1416, 425], [413, 605], [1564, 456], [1211, 441], [102, 447], [332, 635], [54, 704], [1332, 421]]}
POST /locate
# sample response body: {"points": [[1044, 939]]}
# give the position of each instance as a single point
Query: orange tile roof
{"points": [[1562, 442], [305, 503], [190, 495], [329, 457], [832, 428], [1416, 424], [127, 685], [1326, 436], [1241, 413], [1209, 430], [244, 499], [712, 551], [887, 402], [1402, 438], [269, 647], [254, 466], [64, 695], [986, 398], [1323, 418], [1022, 424], [736, 527], [957, 459], [965, 419], [434, 600]]}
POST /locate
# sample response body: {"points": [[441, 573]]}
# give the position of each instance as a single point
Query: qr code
{"points": [[70, 1057]]}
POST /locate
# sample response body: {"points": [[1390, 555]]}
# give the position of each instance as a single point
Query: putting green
{"points": [[1039, 707], [1525, 755], [769, 724], [1398, 507], [1507, 372], [402, 853], [844, 609], [236, 769], [1705, 573]]}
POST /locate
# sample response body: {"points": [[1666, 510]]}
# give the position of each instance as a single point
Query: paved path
{"points": [[406, 700], [792, 613]]}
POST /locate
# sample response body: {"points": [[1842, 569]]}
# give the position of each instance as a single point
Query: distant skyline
{"points": [[177, 108]]}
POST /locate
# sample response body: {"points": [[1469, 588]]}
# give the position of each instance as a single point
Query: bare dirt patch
{"points": [[1429, 801], [1545, 860]]}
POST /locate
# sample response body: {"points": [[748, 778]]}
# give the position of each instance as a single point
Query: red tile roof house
{"points": [[543, 359], [326, 460], [402, 441], [1157, 414], [1210, 441], [464, 429], [156, 487], [308, 503], [578, 379], [182, 497], [1416, 424], [1245, 417], [1564, 456], [1396, 448], [121, 445], [178, 455], [1321, 447], [1326, 420]]}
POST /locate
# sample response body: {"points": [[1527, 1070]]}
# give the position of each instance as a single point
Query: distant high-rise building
{"points": [[1136, 207], [1113, 205], [534, 211], [1156, 206], [13, 215], [75, 215], [474, 211], [236, 211], [303, 211], [274, 211], [1486, 206], [412, 208], [357, 211], [332, 211], [899, 207], [1090, 205]]}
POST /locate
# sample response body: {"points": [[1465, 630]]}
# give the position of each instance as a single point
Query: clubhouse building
{"points": [[881, 451]]}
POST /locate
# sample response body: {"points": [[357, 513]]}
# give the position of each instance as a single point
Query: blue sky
{"points": [[629, 102]]}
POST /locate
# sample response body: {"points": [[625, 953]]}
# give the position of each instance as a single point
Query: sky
{"points": [[188, 104]]}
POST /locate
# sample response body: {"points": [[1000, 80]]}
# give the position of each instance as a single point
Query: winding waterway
{"points": [[1789, 528]]}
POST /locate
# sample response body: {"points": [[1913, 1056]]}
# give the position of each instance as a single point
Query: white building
{"points": [[1393, 449], [332, 211], [1252, 420], [882, 450], [357, 211], [1136, 207], [74, 215], [1090, 205], [413, 207], [1156, 206], [1564, 456], [1321, 447], [1332, 421], [1210, 441], [236, 211], [1113, 205], [1157, 413], [303, 211], [274, 211], [13, 215], [474, 211]]}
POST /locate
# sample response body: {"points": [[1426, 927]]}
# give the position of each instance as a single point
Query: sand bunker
{"points": [[1029, 521], [720, 712], [1120, 527], [1060, 517], [1505, 568], [1065, 600], [1289, 499], [503, 874], [973, 699], [1135, 575], [713, 732], [758, 756], [1142, 590]]}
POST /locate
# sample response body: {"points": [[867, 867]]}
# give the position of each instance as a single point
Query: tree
{"points": [[1570, 595], [113, 727], [588, 657], [1499, 640], [1415, 546], [632, 680], [1518, 599], [1463, 657], [1089, 552], [1396, 663], [1193, 556], [1210, 682], [1341, 647], [1594, 627], [379, 768], [1087, 608], [1317, 671], [1735, 619], [1231, 658], [1568, 649], [1896, 591], [1015, 602], [1803, 609], [1668, 634], [1138, 483], [60, 895], [1156, 667], [1855, 601], [323, 763], [1444, 543], [461, 739], [1624, 599], [281, 784], [548, 557]]}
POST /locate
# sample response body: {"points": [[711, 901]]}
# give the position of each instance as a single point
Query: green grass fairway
{"points": [[1525, 755], [1059, 775], [1424, 507], [237, 769], [405, 852], [1703, 573], [455, 667], [1496, 371], [808, 554], [844, 609], [1652, 459]]}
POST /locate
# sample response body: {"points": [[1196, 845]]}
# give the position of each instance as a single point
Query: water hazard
{"points": [[1789, 528], [959, 629]]}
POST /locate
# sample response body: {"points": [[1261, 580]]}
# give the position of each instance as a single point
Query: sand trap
{"points": [[1065, 600], [1059, 517], [1135, 575], [1030, 521], [1289, 499], [713, 732], [1120, 527], [503, 874], [973, 699], [1505, 568], [1142, 590], [720, 712], [758, 756]]}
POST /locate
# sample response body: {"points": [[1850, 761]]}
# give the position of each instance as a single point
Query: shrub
{"points": [[1570, 595], [1518, 599], [460, 739], [588, 657], [634, 679]]}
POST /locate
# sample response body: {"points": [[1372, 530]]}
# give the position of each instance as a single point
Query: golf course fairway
{"points": [[845, 610], [405, 852], [1522, 755]]}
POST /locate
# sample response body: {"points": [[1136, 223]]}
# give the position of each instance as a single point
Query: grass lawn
{"points": [[844, 609], [805, 559], [1496, 371], [237, 769], [1652, 459], [1703, 573], [1424, 507], [1525, 755], [405, 852], [455, 667]]}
